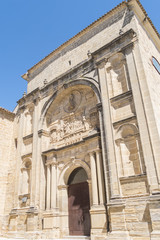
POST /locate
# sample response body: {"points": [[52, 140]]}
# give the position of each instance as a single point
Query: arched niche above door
{"points": [[72, 116]]}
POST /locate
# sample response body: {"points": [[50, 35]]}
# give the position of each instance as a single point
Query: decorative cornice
{"points": [[54, 150], [120, 122], [121, 97], [28, 155], [28, 137], [42, 132], [133, 178]]}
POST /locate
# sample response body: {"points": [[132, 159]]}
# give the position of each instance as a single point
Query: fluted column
{"points": [[100, 177], [53, 185], [48, 203], [94, 178]]}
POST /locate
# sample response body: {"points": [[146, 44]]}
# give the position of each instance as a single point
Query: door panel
{"points": [[79, 205]]}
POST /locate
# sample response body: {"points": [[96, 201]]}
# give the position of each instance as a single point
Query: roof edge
{"points": [[69, 41], [25, 76], [145, 21], [146, 15]]}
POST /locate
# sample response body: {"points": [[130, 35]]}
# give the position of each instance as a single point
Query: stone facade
{"points": [[89, 121], [7, 158]]}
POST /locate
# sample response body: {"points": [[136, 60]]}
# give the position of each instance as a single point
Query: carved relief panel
{"points": [[72, 117]]}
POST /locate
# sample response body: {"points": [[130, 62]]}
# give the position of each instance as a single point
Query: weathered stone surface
{"points": [[92, 109]]}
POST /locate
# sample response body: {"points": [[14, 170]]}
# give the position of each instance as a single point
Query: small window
{"points": [[156, 64]]}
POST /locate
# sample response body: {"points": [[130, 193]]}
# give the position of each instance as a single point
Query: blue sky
{"points": [[31, 29]]}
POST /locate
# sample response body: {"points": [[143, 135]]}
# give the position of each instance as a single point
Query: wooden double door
{"points": [[79, 206]]}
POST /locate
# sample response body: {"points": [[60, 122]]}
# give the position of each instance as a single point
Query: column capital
{"points": [[54, 163], [22, 109], [98, 150], [36, 100], [118, 141], [48, 163], [108, 66], [91, 153], [89, 181], [101, 64]]}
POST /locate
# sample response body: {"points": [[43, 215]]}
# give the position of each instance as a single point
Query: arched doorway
{"points": [[78, 203]]}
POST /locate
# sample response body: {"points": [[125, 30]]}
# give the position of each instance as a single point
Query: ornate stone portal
{"points": [[91, 105], [73, 142]]}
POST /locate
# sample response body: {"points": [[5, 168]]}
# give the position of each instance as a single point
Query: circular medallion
{"points": [[72, 101]]}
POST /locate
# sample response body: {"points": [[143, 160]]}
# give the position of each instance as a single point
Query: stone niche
{"points": [[118, 78], [130, 161], [75, 118], [27, 144], [129, 151], [25, 182], [13, 223], [28, 129], [28, 120]]}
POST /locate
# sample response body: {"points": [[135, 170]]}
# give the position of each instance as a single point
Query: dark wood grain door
{"points": [[79, 205]]}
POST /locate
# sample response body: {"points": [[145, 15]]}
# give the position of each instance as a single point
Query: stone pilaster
{"points": [[38, 156], [111, 160], [141, 118], [104, 152], [35, 155]]}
